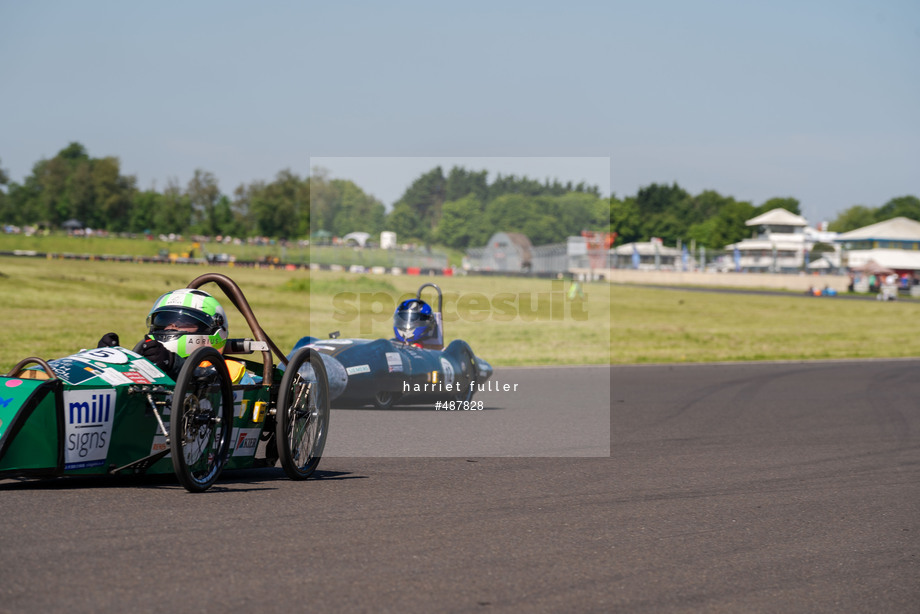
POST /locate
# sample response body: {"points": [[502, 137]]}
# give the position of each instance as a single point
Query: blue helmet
{"points": [[412, 320]]}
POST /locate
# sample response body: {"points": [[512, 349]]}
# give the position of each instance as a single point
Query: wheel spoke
{"points": [[300, 423]]}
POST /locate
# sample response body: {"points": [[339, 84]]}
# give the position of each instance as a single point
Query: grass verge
{"points": [[54, 307]]}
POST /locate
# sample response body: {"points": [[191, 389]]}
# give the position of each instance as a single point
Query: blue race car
{"points": [[412, 368]]}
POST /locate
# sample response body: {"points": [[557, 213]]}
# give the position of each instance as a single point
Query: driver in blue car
{"points": [[179, 323], [413, 322]]}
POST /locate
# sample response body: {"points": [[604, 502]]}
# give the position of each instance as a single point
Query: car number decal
{"points": [[112, 356]]}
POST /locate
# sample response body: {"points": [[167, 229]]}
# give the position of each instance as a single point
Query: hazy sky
{"points": [[818, 100]]}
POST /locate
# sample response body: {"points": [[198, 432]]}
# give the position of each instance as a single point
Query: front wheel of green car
{"points": [[201, 420], [302, 416]]}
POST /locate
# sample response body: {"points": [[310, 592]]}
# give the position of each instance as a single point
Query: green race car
{"points": [[111, 411]]}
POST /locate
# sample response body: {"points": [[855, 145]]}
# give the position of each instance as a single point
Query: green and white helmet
{"points": [[185, 320]]}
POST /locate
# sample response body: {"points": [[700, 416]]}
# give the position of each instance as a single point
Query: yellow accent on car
{"points": [[237, 371]]}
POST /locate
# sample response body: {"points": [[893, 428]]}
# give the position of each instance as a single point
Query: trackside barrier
{"points": [[427, 271]]}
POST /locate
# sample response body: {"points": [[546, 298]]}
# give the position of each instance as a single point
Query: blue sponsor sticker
{"points": [[72, 371]]}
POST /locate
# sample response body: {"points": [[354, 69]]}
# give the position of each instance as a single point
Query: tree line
{"points": [[75, 186], [460, 208], [714, 221]]}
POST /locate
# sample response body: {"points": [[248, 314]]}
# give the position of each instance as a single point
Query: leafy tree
{"points": [[462, 183], [710, 216], [175, 212], [542, 229], [71, 184], [666, 226], [203, 193], [13, 209], [241, 224], [462, 223], [281, 208], [535, 217], [243, 207], [261, 207], [701, 207], [725, 228], [510, 184], [143, 211], [625, 220], [656, 199], [510, 212], [4, 180], [223, 219], [576, 211], [355, 211], [859, 216], [55, 200], [113, 194], [425, 197], [74, 152], [659, 207], [547, 212], [902, 206], [729, 226], [83, 196], [52, 206], [322, 200], [405, 222], [704, 233], [852, 218]]}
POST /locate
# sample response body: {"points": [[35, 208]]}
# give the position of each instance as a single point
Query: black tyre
{"points": [[385, 399], [201, 420], [466, 394], [466, 376], [302, 415]]}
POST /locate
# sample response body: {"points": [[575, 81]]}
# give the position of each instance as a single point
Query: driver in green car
{"points": [[179, 323]]}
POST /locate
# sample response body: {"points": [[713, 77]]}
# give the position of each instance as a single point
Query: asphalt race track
{"points": [[782, 487]]}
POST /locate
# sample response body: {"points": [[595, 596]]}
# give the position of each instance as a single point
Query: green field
{"points": [[55, 307]]}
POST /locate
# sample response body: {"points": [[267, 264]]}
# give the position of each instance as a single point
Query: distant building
{"points": [[387, 240], [781, 244], [513, 253], [359, 238], [647, 256], [561, 257], [892, 244], [507, 252]]}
